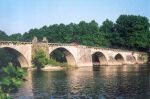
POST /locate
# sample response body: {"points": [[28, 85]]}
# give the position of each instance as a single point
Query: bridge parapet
{"points": [[13, 43], [96, 48], [59, 44], [117, 50]]}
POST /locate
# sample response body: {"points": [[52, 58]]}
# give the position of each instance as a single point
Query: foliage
{"points": [[134, 31], [39, 59], [107, 26], [3, 36], [128, 32], [15, 37], [12, 78], [4, 95], [14, 71], [53, 62], [10, 84]]}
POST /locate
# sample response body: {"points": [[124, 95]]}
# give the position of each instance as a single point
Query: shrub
{"points": [[12, 78], [4, 95], [13, 71], [53, 62], [39, 59]]}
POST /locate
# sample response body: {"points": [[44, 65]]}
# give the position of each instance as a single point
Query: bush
{"points": [[4, 95], [12, 78], [14, 71], [39, 59], [53, 62]]}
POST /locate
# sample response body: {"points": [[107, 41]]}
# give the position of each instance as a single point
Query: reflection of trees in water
{"points": [[8, 55]]}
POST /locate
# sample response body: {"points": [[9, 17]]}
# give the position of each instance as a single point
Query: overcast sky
{"points": [[18, 16]]}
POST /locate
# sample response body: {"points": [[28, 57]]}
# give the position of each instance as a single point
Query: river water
{"points": [[109, 82]]}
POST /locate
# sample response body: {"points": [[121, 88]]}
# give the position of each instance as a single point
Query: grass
{"points": [[53, 62]]}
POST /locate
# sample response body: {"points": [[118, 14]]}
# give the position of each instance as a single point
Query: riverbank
{"points": [[51, 68], [58, 68]]}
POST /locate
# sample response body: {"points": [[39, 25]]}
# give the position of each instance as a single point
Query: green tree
{"points": [[107, 26], [15, 37], [4, 95], [3, 36], [40, 59], [134, 31], [11, 79]]}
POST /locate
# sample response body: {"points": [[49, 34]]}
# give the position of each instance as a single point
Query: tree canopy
{"points": [[128, 32], [134, 30], [3, 35]]}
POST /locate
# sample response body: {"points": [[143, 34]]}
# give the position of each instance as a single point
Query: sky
{"points": [[19, 16]]}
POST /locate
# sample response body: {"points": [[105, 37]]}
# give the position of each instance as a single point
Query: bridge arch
{"points": [[69, 57], [20, 57], [135, 60], [130, 58], [119, 58], [99, 58]]}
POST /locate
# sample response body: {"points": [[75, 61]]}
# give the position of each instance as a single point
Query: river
{"points": [[109, 82]]}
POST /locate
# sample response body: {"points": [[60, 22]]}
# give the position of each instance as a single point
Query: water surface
{"points": [[110, 82]]}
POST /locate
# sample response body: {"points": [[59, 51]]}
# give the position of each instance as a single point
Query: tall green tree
{"points": [[39, 59], [134, 31], [107, 33], [15, 37], [107, 26], [3, 36]]}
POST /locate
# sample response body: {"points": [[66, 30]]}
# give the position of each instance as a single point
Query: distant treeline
{"points": [[128, 32]]}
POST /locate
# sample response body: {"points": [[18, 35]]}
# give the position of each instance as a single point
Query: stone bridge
{"points": [[76, 55]]}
